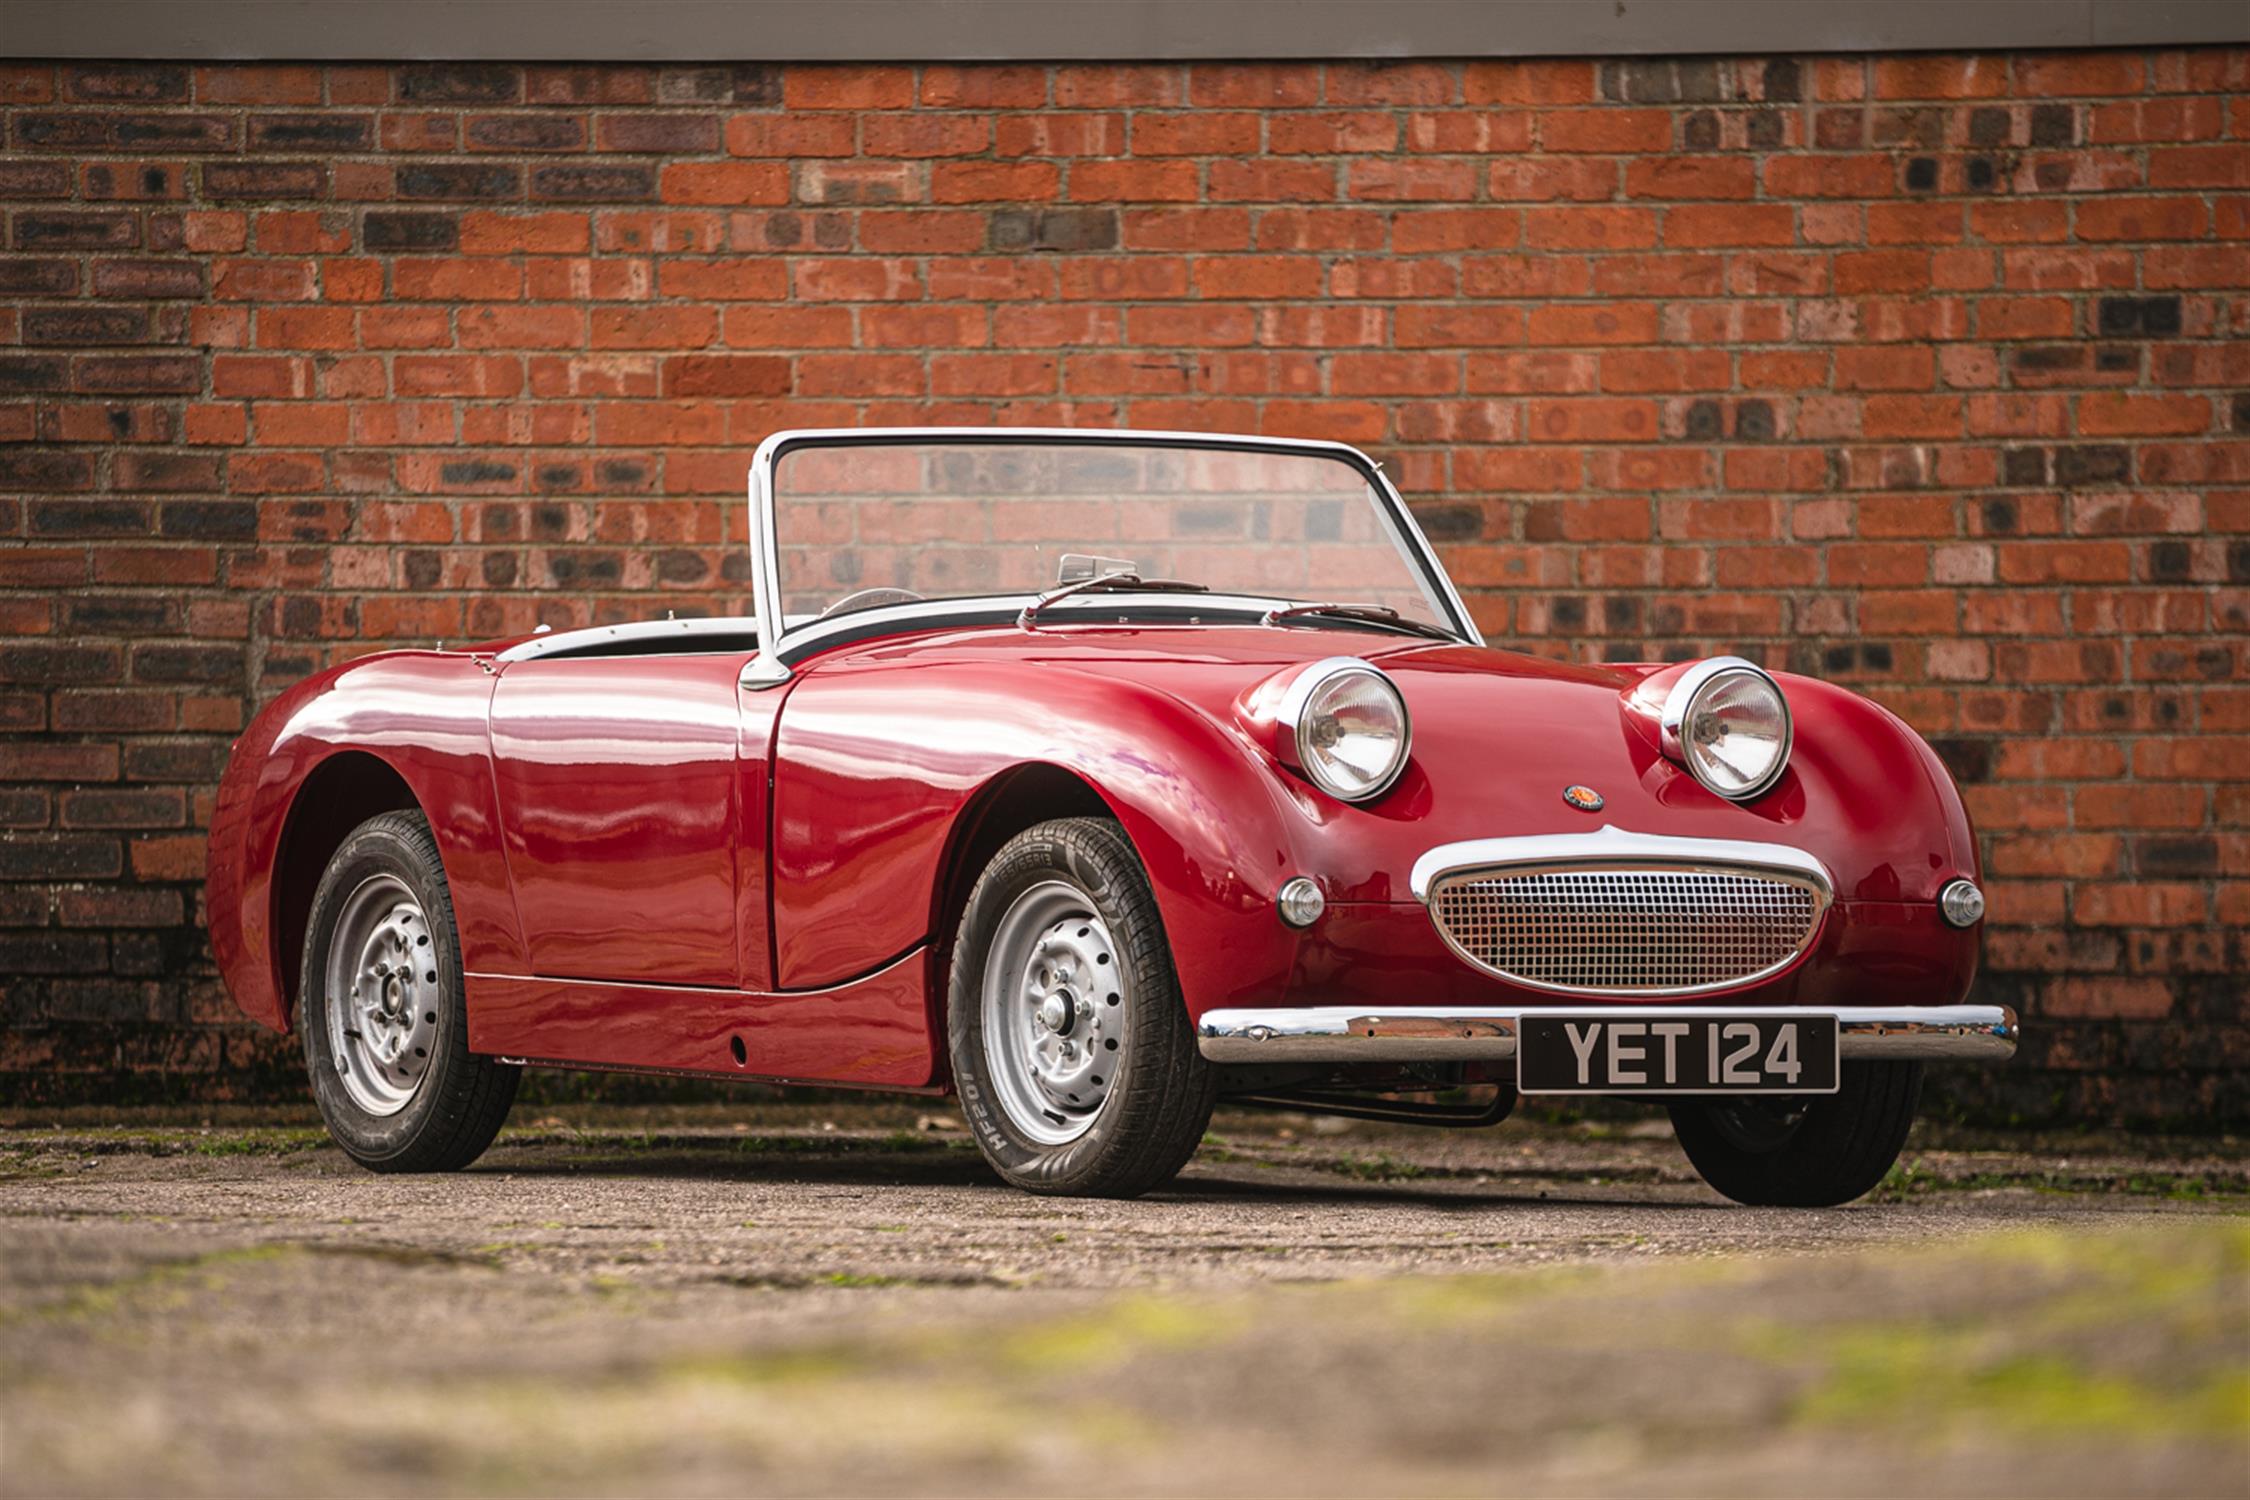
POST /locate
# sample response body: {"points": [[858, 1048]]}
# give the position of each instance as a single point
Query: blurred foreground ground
{"points": [[832, 1299]]}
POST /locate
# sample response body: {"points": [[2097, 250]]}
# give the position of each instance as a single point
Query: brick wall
{"points": [[1928, 374]]}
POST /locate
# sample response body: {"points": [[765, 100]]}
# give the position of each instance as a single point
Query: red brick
{"points": [[1133, 182], [1254, 85], [1273, 181], [1203, 133], [2077, 73], [1589, 228], [1532, 81], [1389, 83], [725, 182], [1940, 76], [1691, 177], [950, 86], [995, 182], [1411, 181], [1619, 323], [2142, 219], [726, 375], [924, 135], [857, 280], [1734, 224], [790, 135], [1609, 132], [1058, 135], [848, 87], [1332, 133], [1830, 176], [1477, 132], [1552, 179], [1101, 86], [2106, 998]]}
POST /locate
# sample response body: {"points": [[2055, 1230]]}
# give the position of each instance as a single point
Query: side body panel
{"points": [[873, 1032], [619, 786]]}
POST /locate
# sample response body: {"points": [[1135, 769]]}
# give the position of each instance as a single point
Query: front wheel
{"points": [[380, 1005], [1072, 1050], [1804, 1152]]}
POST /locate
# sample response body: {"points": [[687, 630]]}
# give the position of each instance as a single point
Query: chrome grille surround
{"points": [[1622, 914]]}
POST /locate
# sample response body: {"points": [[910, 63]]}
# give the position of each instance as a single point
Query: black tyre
{"points": [[380, 1005], [1072, 1051], [1803, 1153]]}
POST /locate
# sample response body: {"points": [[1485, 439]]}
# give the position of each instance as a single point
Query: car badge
{"points": [[1584, 798]]}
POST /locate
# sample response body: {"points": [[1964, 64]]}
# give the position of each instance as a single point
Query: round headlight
{"points": [[1728, 723], [1351, 728]]}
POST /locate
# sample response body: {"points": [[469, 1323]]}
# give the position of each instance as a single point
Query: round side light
{"points": [[1961, 903], [1300, 902]]}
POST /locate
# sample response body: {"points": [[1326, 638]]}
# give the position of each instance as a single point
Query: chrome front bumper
{"points": [[1453, 1033]]}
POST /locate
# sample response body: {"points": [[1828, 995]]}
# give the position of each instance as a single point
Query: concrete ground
{"points": [[836, 1299]]}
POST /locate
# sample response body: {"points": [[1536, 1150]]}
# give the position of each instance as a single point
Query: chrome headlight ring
{"points": [[1313, 712], [1692, 695]]}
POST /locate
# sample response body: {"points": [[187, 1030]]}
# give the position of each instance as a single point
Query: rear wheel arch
{"points": [[336, 797]]}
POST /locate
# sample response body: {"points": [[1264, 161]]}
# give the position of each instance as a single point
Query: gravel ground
{"points": [[839, 1299]]}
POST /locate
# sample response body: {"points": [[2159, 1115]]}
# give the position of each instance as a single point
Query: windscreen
{"points": [[865, 524]]}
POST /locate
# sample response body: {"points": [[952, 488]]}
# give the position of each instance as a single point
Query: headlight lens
{"points": [[1730, 728], [1351, 729]]}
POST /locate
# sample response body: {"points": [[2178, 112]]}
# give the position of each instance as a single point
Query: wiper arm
{"points": [[1372, 614], [1132, 583]]}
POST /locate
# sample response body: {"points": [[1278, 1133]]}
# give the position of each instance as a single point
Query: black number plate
{"points": [[1562, 1053]]}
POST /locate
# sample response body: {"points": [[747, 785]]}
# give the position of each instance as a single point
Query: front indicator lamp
{"points": [[1300, 902], [1961, 903]]}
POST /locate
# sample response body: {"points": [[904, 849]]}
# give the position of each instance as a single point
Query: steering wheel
{"points": [[870, 599]]}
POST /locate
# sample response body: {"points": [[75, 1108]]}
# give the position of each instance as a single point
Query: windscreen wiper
{"points": [[1372, 614], [1131, 583]]}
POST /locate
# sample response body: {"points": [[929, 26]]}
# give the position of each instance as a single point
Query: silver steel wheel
{"points": [[383, 997], [1054, 1013]]}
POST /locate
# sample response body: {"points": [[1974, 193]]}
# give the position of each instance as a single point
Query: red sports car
{"points": [[1096, 776]]}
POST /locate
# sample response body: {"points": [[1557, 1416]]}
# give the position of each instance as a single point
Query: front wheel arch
{"points": [[1018, 798], [335, 797]]}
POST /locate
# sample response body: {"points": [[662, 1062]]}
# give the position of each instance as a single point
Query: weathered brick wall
{"points": [[1922, 373]]}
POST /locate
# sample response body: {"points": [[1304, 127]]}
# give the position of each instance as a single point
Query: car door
{"points": [[634, 821]]}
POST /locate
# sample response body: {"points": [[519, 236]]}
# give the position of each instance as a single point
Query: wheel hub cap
{"points": [[1054, 1013], [383, 998]]}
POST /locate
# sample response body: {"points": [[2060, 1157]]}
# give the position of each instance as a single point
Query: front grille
{"points": [[1622, 931]]}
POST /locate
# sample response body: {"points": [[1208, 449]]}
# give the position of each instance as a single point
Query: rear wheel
{"points": [[1805, 1152], [381, 1009], [1076, 1064]]}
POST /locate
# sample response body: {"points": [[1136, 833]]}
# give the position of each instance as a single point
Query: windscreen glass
{"points": [[862, 525]]}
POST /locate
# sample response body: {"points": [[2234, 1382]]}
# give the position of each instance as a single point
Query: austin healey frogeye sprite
{"points": [[1098, 776]]}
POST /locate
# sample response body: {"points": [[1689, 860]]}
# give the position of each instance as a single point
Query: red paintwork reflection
{"points": [[618, 786]]}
